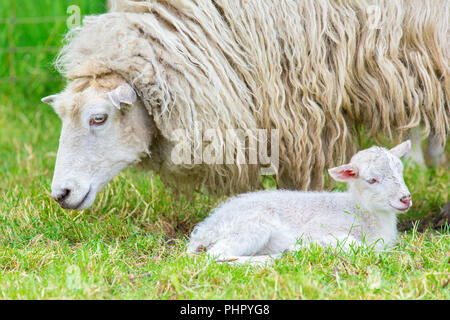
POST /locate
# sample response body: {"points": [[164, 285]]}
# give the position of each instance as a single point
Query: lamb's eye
{"points": [[97, 119], [372, 181]]}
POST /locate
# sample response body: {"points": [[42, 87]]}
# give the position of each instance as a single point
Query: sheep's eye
{"points": [[372, 181], [97, 119]]}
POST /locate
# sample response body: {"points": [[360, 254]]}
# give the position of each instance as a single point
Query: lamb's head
{"points": [[104, 130], [375, 178]]}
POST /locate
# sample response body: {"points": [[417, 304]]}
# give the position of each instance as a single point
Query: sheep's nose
{"points": [[406, 200], [61, 196]]}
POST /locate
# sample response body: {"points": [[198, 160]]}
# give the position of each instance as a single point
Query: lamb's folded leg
{"points": [[241, 244], [242, 247]]}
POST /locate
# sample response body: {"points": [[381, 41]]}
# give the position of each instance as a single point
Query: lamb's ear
{"points": [[50, 100], [122, 94], [344, 173], [402, 149]]}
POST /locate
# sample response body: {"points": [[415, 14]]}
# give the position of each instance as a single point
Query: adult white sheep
{"points": [[257, 226], [314, 70]]}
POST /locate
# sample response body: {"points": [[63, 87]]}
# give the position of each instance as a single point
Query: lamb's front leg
{"points": [[347, 242], [342, 241]]}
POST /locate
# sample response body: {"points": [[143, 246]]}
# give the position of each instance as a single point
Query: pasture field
{"points": [[130, 244]]}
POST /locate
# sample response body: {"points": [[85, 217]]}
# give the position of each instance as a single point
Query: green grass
{"points": [[130, 244]]}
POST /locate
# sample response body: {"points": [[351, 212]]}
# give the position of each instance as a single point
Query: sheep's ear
{"points": [[122, 94], [50, 100], [402, 149], [344, 173]]}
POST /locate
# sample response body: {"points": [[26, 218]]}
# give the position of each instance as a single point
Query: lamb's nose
{"points": [[406, 200], [61, 196]]}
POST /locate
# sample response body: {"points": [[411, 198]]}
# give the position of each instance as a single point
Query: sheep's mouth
{"points": [[76, 207], [84, 199]]}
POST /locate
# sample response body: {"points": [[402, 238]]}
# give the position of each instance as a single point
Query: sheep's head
{"points": [[104, 130], [375, 177]]}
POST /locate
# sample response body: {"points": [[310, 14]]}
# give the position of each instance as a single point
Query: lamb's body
{"points": [[269, 222]]}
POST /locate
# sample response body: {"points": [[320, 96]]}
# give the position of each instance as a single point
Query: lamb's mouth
{"points": [[400, 209]]}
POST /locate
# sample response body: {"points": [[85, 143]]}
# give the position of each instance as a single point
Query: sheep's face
{"points": [[375, 177], [103, 132]]}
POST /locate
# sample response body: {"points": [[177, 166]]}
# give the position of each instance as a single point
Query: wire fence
{"points": [[14, 52]]}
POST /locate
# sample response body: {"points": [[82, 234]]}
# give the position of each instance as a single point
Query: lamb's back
{"points": [[293, 207]]}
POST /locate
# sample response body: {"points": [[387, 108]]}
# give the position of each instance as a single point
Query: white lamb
{"points": [[259, 226]]}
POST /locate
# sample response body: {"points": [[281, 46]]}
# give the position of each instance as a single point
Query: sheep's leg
{"points": [[416, 154], [285, 181], [436, 151]]}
